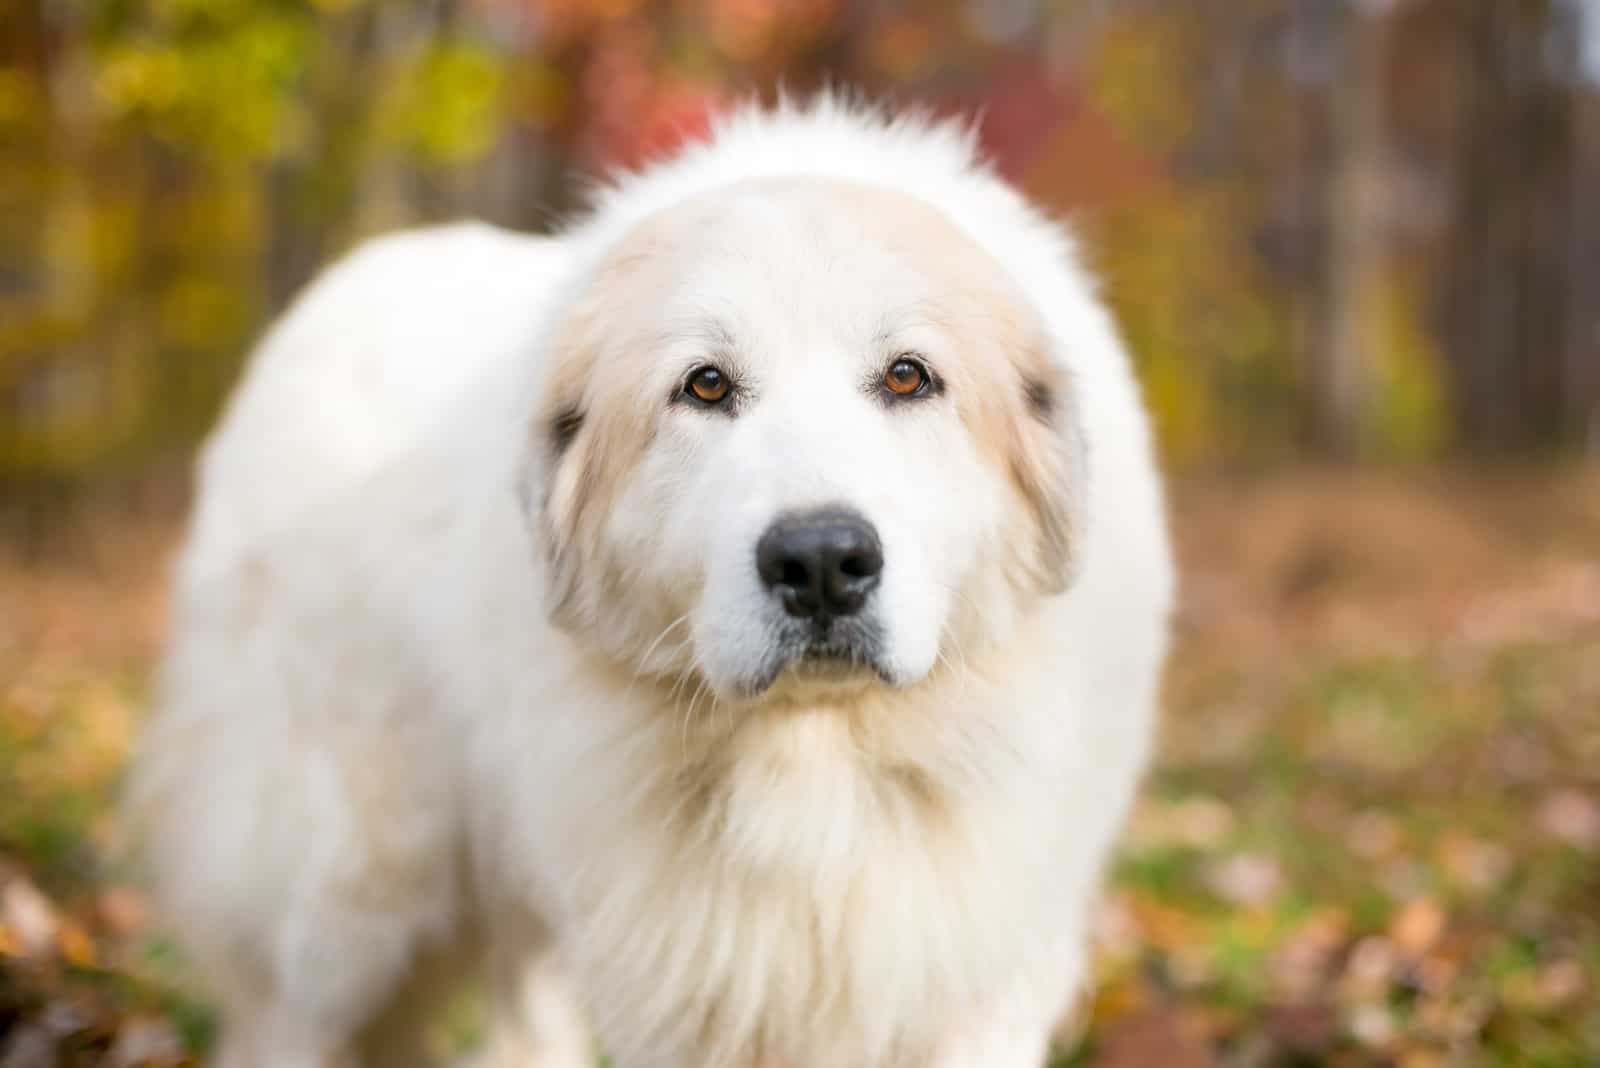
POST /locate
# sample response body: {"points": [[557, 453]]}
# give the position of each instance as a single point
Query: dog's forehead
{"points": [[774, 226], [850, 224], [795, 251]]}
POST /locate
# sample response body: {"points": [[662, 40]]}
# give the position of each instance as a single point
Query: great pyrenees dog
{"points": [[730, 628]]}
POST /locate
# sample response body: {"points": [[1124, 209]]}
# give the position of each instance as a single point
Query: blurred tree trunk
{"points": [[1506, 275], [313, 192], [1308, 64], [524, 183], [1342, 371], [1582, 370]]}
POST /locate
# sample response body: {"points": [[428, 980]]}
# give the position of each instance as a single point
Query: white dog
{"points": [[735, 625]]}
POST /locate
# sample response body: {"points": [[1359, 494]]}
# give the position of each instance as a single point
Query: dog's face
{"points": [[802, 436]]}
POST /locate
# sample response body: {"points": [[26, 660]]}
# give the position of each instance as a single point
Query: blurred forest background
{"points": [[1355, 245], [1347, 228]]}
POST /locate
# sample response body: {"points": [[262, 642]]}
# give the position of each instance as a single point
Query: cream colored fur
{"points": [[466, 674]]}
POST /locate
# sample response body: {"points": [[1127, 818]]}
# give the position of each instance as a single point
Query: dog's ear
{"points": [[1049, 466], [560, 480], [558, 508], [588, 433], [553, 493]]}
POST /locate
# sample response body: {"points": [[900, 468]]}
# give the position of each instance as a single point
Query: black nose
{"points": [[822, 563]]}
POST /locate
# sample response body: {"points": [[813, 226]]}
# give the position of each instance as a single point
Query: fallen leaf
{"points": [[1152, 1038], [1561, 983], [1402, 878], [29, 916], [76, 947], [1301, 965], [1370, 969], [1545, 990], [1372, 1025], [122, 910], [1116, 931], [1438, 972], [1161, 925], [1303, 1030], [1374, 835], [1246, 879], [145, 1042], [1572, 817], [1417, 927], [1117, 1001], [1193, 965], [1474, 864], [1202, 822]]}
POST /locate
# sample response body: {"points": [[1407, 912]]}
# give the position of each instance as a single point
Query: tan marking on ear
{"points": [[609, 427], [1017, 404], [1041, 456]]}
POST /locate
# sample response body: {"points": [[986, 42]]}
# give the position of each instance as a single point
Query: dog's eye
{"points": [[906, 378], [708, 385]]}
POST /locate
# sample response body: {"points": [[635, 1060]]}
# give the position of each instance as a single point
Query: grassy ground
{"points": [[1373, 837]]}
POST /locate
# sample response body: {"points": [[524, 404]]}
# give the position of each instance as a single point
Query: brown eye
{"points": [[905, 378], [708, 385]]}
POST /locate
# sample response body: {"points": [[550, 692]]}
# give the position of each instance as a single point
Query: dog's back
{"points": [[316, 523]]}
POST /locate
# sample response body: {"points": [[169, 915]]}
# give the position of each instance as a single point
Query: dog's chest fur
{"points": [[774, 887]]}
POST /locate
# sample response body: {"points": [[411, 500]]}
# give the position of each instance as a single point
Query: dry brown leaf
{"points": [[1546, 990], [1246, 879], [1304, 1029], [1153, 1038], [75, 945], [1374, 835], [1573, 817], [1301, 965], [1562, 983], [29, 916], [122, 910], [1160, 924], [1417, 927], [1373, 1025], [145, 1042], [1370, 969], [1473, 863]]}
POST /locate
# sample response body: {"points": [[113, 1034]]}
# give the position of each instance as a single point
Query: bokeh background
{"points": [[1355, 245]]}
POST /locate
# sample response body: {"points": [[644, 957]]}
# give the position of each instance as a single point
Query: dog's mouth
{"points": [[840, 653]]}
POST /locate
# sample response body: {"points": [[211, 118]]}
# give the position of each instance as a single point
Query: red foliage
{"points": [[675, 114]]}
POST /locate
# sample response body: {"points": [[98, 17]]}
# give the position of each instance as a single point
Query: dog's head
{"points": [[800, 435]]}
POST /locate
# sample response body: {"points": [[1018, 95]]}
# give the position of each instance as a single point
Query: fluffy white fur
{"points": [[448, 690]]}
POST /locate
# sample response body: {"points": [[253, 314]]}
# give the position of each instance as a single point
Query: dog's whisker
{"points": [[670, 627], [640, 672]]}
